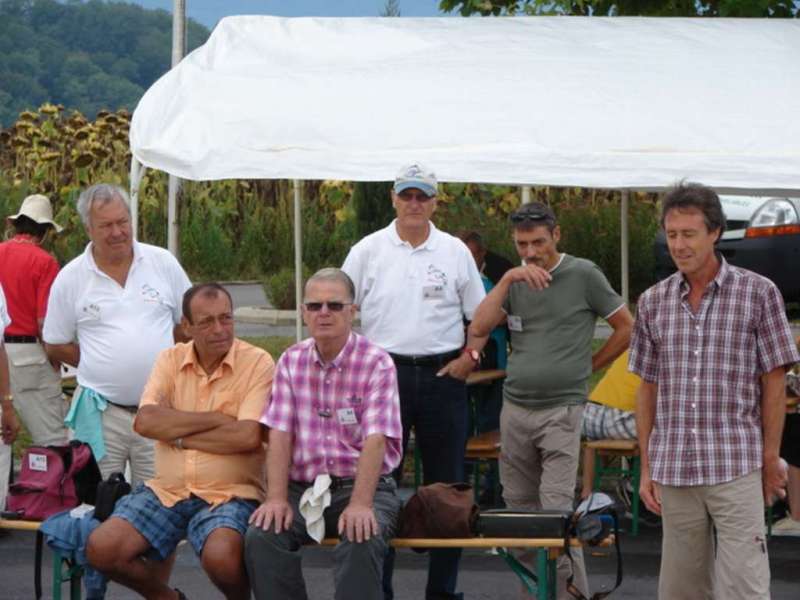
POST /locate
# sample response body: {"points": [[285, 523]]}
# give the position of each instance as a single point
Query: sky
{"points": [[208, 12]]}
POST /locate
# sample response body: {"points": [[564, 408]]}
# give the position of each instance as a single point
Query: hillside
{"points": [[84, 55]]}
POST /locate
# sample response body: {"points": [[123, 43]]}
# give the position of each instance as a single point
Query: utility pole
{"points": [[178, 52]]}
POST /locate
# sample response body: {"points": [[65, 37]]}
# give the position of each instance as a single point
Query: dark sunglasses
{"points": [[332, 306], [530, 216], [409, 196]]}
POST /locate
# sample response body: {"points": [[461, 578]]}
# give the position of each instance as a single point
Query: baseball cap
{"points": [[416, 176]]}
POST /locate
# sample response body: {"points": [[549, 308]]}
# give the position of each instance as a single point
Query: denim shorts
{"points": [[194, 518]]}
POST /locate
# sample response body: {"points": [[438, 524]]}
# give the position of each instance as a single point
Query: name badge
{"points": [[433, 292], [37, 462], [347, 416], [514, 322]]}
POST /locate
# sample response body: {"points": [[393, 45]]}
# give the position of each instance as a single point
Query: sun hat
{"points": [[37, 208]]}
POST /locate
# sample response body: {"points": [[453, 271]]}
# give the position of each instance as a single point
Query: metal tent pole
{"points": [[178, 52], [298, 258], [624, 245]]}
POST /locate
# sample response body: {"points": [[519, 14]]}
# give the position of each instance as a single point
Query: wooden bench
{"points": [[592, 474], [547, 550], [63, 566]]}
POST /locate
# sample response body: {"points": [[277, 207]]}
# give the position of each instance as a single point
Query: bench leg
{"points": [[546, 571], [636, 470], [56, 575], [543, 586]]}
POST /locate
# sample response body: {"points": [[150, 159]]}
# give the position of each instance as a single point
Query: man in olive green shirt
{"points": [[550, 303]]}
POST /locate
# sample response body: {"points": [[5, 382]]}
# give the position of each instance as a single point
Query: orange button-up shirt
{"points": [[240, 387]]}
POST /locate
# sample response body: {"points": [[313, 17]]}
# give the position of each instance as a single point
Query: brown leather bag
{"points": [[440, 510]]}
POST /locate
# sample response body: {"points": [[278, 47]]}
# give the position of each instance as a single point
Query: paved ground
{"points": [[483, 576]]}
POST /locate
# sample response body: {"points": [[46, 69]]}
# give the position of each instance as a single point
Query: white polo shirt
{"points": [[120, 331], [413, 300], [5, 320]]}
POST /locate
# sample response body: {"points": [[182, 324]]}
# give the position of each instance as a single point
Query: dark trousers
{"points": [[273, 560], [436, 407]]}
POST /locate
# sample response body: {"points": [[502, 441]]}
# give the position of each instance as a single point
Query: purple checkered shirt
{"points": [[707, 366], [317, 403]]}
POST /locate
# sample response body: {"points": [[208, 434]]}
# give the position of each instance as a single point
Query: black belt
{"points": [[339, 483], [21, 339], [425, 360], [130, 408]]}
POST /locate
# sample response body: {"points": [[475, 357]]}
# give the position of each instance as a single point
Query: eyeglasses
{"points": [[332, 306], [409, 196], [225, 320]]}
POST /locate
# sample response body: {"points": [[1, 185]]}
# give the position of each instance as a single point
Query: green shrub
{"points": [[279, 287]]}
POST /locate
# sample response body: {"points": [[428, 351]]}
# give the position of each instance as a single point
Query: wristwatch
{"points": [[473, 354]]}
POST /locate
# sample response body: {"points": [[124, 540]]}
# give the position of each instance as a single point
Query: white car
{"points": [[761, 234]]}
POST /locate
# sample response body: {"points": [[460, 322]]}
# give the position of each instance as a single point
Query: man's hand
{"points": [[649, 492], [10, 425], [458, 368], [277, 511], [358, 523], [536, 277], [774, 478]]}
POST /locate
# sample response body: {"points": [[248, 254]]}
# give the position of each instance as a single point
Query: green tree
{"points": [[372, 204], [61, 52], [659, 8]]}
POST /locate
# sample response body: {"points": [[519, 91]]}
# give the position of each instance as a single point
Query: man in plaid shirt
{"points": [[712, 344], [335, 436]]}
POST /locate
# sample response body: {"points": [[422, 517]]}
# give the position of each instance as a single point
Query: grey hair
{"points": [[334, 274], [100, 193]]}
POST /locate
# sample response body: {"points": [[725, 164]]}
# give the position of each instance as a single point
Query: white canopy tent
{"points": [[628, 103]]}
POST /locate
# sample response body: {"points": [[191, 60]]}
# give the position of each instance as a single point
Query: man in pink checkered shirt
{"points": [[334, 413], [712, 345]]}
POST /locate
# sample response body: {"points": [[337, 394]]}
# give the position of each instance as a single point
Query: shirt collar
{"points": [[717, 282], [341, 358], [190, 358], [430, 243], [137, 255]]}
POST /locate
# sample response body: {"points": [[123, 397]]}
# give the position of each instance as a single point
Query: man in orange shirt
{"points": [[201, 404], [26, 274]]}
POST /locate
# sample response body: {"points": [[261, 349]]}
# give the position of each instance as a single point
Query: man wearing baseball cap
{"points": [[415, 285], [26, 274]]}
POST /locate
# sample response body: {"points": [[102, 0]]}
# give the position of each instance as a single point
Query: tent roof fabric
{"points": [[584, 101]]}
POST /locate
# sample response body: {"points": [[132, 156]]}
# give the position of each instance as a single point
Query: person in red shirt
{"points": [[26, 274]]}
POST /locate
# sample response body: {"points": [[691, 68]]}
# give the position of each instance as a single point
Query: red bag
{"points": [[54, 479]]}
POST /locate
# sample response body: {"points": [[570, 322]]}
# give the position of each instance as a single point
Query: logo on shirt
{"points": [[437, 276], [151, 294], [92, 310]]}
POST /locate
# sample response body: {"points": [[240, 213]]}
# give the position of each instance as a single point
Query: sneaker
{"points": [[786, 526]]}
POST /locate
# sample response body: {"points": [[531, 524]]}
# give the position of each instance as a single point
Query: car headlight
{"points": [[774, 217]]}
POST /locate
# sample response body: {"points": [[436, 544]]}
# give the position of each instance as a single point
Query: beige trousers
{"points": [[37, 394], [539, 451], [124, 445], [714, 542]]}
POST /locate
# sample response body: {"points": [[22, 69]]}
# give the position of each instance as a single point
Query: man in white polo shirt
{"points": [[415, 285], [111, 311]]}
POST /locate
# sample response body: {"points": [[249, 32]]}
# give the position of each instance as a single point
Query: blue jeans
{"points": [[436, 407]]}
